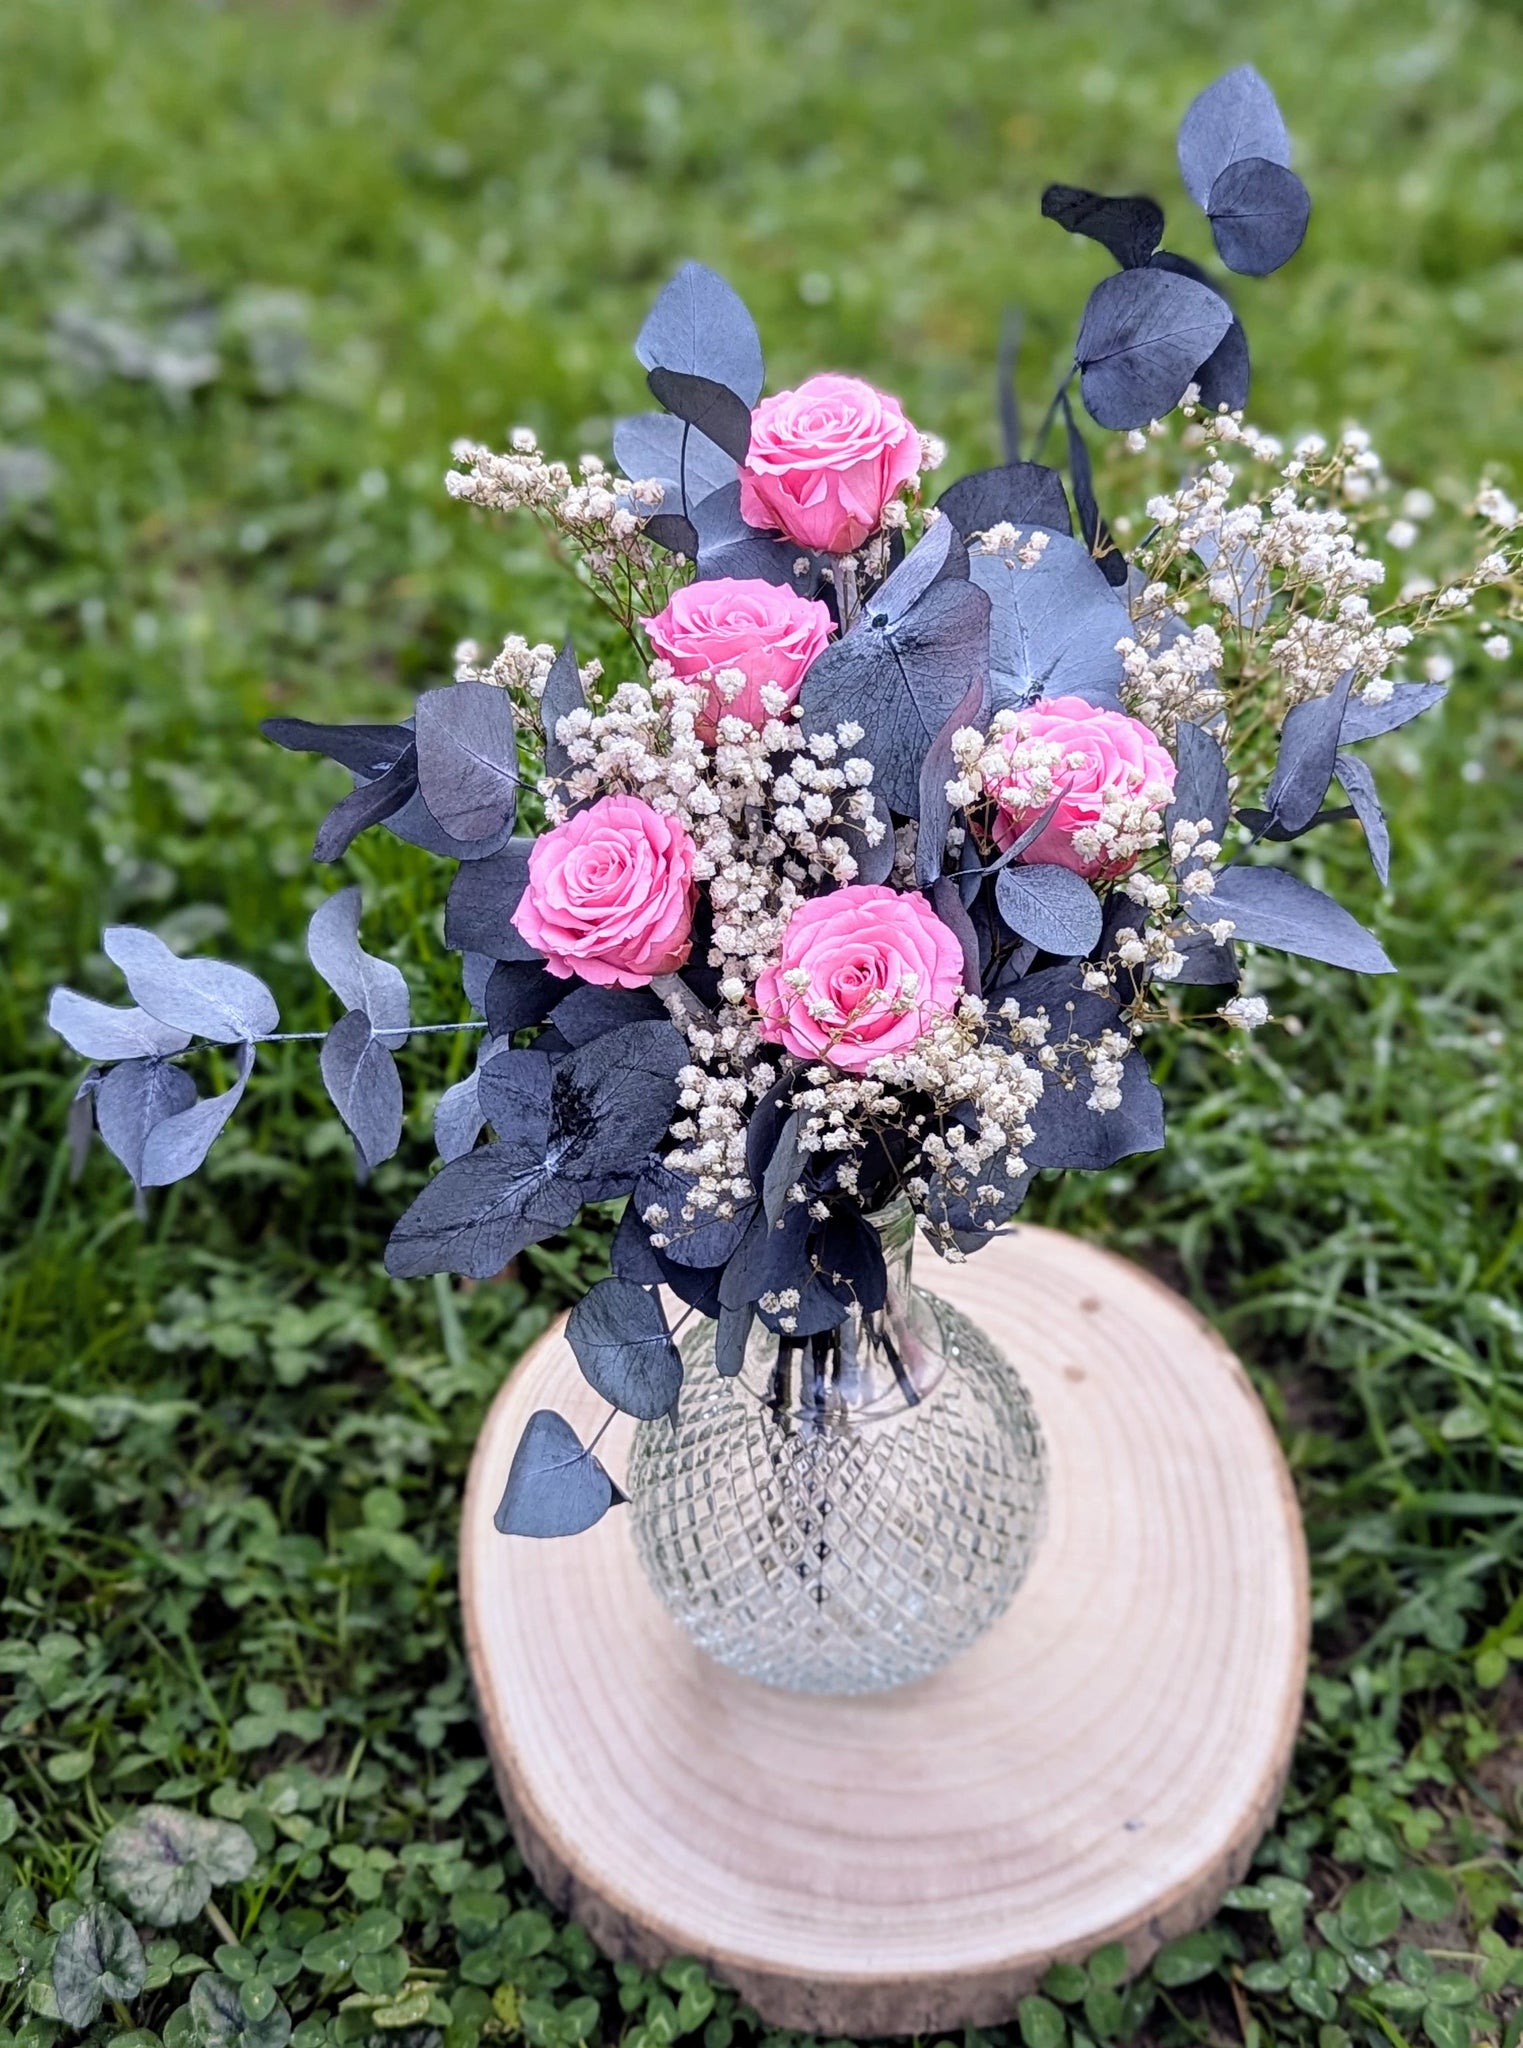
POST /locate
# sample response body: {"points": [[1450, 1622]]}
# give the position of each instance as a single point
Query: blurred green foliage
{"points": [[259, 265]]}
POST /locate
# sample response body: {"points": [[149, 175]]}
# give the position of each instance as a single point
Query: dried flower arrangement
{"points": [[915, 818]]}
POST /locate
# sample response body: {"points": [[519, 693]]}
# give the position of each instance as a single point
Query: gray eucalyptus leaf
{"points": [[101, 1031], [727, 546], [1259, 211], [1022, 494], [619, 1336], [1144, 335], [1200, 787], [364, 1086], [562, 696], [207, 998], [367, 750], [905, 666], [373, 802], [700, 325], [937, 770], [730, 1340], [1224, 377], [1129, 228], [1052, 906], [478, 912], [357, 978], [1269, 907], [1359, 788], [1233, 118], [656, 447], [1054, 628], [709, 407], [134, 1099], [1308, 750], [1364, 719], [459, 1119], [555, 1486], [468, 759], [79, 1128], [176, 1145]]}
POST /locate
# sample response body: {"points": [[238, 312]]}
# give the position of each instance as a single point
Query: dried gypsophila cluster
{"points": [[1251, 591], [594, 519]]}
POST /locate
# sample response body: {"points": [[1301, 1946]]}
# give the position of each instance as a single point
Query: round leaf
{"points": [[1259, 211], [163, 1864], [98, 1957], [219, 2020]]}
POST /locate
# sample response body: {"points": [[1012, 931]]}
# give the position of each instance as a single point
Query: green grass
{"points": [[231, 1451]]}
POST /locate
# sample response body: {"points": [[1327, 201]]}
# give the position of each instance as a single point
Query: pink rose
{"points": [[825, 460], [1115, 776], [863, 974], [769, 633], [610, 894]]}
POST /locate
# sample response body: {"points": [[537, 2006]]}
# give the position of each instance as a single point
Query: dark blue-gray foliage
{"points": [[368, 803], [1052, 906], [657, 447], [1093, 531], [364, 1086], [569, 1134], [1053, 628], [905, 666], [207, 998], [1259, 211], [730, 1339], [588, 1012], [1225, 375], [1272, 908], [519, 993], [1359, 788], [1365, 719], [1020, 494], [1308, 751], [556, 1487], [727, 546], [468, 759], [1234, 118], [1128, 227], [709, 408], [357, 978], [937, 770], [700, 325], [618, 1333], [367, 750], [478, 912], [561, 697], [1200, 787], [1144, 335]]}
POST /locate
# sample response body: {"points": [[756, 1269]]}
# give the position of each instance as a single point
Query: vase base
{"points": [[1098, 1767]]}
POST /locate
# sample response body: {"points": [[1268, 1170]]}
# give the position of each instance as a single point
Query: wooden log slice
{"points": [[1098, 1768]]}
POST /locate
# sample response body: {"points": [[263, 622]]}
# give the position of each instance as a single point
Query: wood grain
{"points": [[1098, 1768]]}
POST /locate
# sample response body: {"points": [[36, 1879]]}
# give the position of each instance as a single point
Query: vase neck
{"points": [[876, 1362]]}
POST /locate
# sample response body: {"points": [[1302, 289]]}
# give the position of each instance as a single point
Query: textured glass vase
{"points": [[848, 1513]]}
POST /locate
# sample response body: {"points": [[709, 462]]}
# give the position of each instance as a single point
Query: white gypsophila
{"points": [[1245, 1013]]}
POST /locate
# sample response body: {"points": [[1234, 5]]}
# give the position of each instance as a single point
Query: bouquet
{"points": [[908, 825]]}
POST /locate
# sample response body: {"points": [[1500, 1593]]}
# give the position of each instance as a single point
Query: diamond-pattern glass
{"points": [[849, 1556]]}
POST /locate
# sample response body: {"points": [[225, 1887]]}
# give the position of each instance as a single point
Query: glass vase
{"points": [[848, 1513]]}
